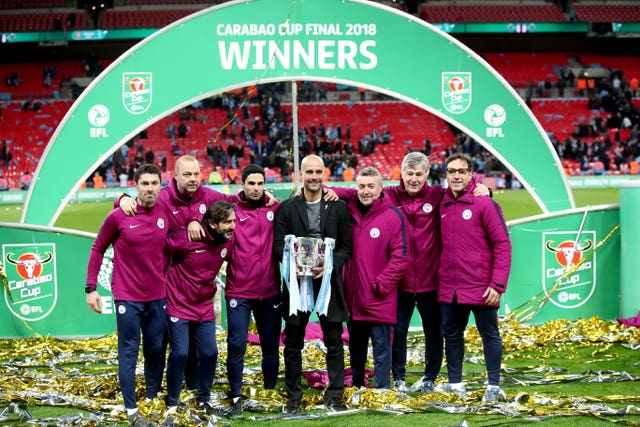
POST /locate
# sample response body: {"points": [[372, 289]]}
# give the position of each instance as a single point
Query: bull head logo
{"points": [[29, 265], [568, 253]]}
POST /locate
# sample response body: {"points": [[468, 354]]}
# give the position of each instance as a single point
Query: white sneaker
{"points": [[493, 394], [457, 388], [399, 385]]}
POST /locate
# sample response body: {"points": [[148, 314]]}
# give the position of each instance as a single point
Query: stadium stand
{"points": [[630, 64], [623, 11], [32, 4], [27, 132], [168, 2], [487, 12], [36, 21], [141, 18], [522, 68], [32, 78]]}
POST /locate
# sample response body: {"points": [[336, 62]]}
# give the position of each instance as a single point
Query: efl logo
{"points": [[33, 288], [456, 92], [495, 116], [136, 92], [560, 254], [98, 116]]}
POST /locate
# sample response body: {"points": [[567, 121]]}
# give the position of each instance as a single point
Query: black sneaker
{"points": [[292, 407], [207, 408], [236, 406], [137, 420], [171, 417], [170, 421], [335, 404]]}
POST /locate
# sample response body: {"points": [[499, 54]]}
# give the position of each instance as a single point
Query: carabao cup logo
{"points": [[563, 254], [136, 92], [33, 288], [456, 92]]}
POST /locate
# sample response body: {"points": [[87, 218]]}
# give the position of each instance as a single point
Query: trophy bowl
{"points": [[308, 253]]}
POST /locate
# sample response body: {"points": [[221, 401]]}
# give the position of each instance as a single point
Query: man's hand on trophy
{"points": [[318, 272]]}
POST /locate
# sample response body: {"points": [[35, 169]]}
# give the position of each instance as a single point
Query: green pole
{"points": [[629, 253]]}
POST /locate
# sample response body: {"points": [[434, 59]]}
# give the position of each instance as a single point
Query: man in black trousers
{"points": [[309, 215]]}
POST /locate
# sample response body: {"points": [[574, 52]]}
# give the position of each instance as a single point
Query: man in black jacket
{"points": [[309, 215]]}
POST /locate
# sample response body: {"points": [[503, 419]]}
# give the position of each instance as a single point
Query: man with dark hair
{"points": [[474, 271], [138, 284], [254, 289], [190, 292], [371, 276], [309, 215]]}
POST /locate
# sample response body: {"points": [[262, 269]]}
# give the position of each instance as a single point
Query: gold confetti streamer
{"points": [[82, 374]]}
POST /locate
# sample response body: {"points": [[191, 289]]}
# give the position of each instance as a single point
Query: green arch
{"points": [[245, 42]]}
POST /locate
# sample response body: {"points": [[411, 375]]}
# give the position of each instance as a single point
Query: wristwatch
{"points": [[89, 289]]}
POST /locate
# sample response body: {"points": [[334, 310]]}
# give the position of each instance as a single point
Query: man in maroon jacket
{"points": [[474, 270], [190, 291], [252, 290], [138, 285], [371, 276]]}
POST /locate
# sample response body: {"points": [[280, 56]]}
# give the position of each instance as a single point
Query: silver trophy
{"points": [[308, 253]]}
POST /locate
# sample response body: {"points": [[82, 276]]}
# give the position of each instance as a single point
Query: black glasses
{"points": [[452, 171]]}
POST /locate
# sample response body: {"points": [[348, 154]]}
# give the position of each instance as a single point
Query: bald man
{"points": [[309, 215]]}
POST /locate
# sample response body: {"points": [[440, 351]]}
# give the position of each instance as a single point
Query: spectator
{"points": [[26, 105], [386, 136], [98, 181], [123, 178], [347, 174], [25, 180], [562, 83], [175, 148], [165, 177], [215, 177], [396, 172], [182, 130], [633, 85], [426, 150], [171, 130], [149, 157]]}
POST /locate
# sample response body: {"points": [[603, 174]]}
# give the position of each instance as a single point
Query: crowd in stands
{"points": [[610, 143], [257, 128]]}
